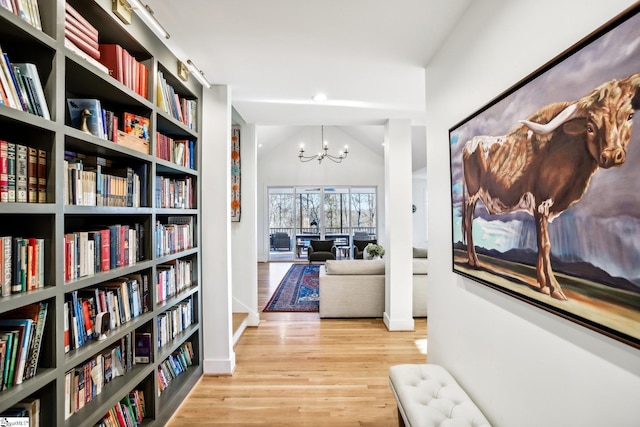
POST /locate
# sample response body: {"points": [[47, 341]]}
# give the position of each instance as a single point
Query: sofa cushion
{"points": [[420, 253], [420, 265], [355, 266]]}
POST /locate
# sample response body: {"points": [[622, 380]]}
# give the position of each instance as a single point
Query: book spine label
{"points": [[32, 175]]}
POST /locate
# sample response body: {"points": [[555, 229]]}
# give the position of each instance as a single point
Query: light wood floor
{"points": [[297, 370]]}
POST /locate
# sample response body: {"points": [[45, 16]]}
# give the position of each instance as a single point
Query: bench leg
{"points": [[400, 419]]}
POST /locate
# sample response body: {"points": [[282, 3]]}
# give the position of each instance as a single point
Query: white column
{"points": [[398, 314], [215, 176], [243, 234]]}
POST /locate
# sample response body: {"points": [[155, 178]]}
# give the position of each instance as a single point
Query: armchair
{"points": [[281, 240], [321, 250], [358, 247]]}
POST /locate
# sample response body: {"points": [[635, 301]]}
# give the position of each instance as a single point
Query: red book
{"points": [[83, 46], [142, 80], [71, 11], [86, 313], [106, 249], [69, 257], [71, 28], [33, 264], [111, 57]]}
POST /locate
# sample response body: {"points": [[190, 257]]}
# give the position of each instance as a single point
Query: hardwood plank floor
{"points": [[297, 370]]}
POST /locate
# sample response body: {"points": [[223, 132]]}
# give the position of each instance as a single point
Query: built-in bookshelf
{"points": [[100, 278]]}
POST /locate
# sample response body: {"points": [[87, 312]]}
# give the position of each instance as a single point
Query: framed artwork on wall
{"points": [[544, 179], [235, 174]]}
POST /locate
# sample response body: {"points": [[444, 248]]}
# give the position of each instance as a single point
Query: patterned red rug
{"points": [[298, 290]]}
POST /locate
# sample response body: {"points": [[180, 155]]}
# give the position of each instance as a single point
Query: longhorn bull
{"points": [[545, 164]]}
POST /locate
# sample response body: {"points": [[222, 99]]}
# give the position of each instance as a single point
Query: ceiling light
{"points": [[320, 97], [146, 13], [198, 74], [324, 153]]}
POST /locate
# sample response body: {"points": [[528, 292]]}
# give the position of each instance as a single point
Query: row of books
{"points": [[174, 193], [88, 184], [129, 412], [23, 173], [179, 151], [90, 313], [106, 248], [174, 365], [174, 321], [21, 332], [172, 278], [21, 264], [24, 413], [125, 68], [85, 382], [182, 109], [28, 10], [21, 88], [174, 236]]}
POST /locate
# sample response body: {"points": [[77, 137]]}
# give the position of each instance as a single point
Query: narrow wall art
{"points": [[235, 174]]}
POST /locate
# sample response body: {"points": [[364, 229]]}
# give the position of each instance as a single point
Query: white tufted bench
{"points": [[428, 396]]}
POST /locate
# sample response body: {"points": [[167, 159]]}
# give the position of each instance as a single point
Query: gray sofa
{"points": [[355, 288]]}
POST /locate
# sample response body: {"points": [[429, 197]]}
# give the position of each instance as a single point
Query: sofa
{"points": [[355, 288]]}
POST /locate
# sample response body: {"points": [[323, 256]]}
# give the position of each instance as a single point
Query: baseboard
{"points": [[219, 367], [399, 324]]}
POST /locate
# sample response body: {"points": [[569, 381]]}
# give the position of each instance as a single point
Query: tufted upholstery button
{"points": [[428, 396]]}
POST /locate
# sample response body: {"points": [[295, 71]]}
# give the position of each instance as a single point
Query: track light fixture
{"points": [[198, 74], [146, 13]]}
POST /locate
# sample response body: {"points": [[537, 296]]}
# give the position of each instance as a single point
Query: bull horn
{"points": [[565, 115]]}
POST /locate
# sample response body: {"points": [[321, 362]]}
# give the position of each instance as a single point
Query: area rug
{"points": [[298, 290]]}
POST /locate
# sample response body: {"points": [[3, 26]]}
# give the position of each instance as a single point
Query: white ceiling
{"points": [[367, 56]]}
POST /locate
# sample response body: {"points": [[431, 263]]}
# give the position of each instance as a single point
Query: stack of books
{"points": [[81, 37]]}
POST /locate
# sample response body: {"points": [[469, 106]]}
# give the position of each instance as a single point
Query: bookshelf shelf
{"points": [[64, 72]]}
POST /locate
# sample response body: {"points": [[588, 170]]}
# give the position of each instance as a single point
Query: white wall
{"points": [[280, 167], [243, 242], [522, 365]]}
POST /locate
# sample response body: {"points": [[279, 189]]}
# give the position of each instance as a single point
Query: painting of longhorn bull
{"points": [[544, 183]]}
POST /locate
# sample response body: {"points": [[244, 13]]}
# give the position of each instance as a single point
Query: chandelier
{"points": [[324, 154]]}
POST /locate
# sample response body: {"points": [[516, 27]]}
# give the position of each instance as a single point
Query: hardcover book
{"points": [[143, 348]]}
